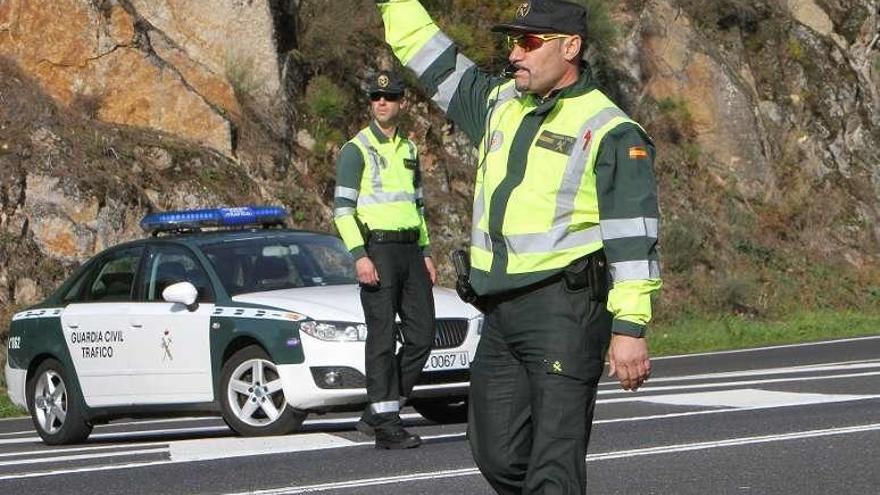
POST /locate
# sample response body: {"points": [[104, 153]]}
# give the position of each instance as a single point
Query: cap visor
{"points": [[521, 28]]}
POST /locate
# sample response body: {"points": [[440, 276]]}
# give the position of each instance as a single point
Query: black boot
{"points": [[365, 428], [396, 438]]}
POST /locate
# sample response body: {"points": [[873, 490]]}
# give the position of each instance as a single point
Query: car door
{"points": [[96, 328], [173, 362]]}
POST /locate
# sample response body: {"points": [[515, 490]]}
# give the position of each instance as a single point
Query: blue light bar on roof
{"points": [[213, 217]]}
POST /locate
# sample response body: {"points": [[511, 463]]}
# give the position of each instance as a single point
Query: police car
{"points": [[257, 322]]}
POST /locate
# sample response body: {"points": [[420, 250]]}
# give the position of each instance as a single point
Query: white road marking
{"points": [[67, 458], [109, 437], [768, 348], [27, 453], [225, 448], [748, 397], [810, 368], [623, 454], [734, 442], [185, 458], [649, 388], [710, 411], [308, 422]]}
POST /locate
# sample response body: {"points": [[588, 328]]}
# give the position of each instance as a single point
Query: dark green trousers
{"points": [[404, 289], [533, 387]]}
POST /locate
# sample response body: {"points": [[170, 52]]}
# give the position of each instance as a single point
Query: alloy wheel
{"points": [[255, 394]]}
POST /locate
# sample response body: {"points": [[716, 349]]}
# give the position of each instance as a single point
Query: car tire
{"points": [[55, 408], [443, 411], [252, 399]]}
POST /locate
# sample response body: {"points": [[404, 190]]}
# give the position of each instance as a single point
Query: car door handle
{"points": [[73, 327], [136, 325]]}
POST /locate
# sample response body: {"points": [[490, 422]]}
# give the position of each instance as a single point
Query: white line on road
{"points": [[192, 456], [733, 442], [128, 434], [27, 453], [633, 396], [768, 348], [811, 368], [713, 411], [68, 458], [308, 422]]}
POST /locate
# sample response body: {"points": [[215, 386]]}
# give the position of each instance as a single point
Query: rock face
{"points": [[165, 65]]}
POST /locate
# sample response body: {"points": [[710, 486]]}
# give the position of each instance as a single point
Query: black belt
{"points": [[380, 236], [586, 272]]}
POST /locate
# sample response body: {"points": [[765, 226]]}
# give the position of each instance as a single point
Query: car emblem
{"points": [[166, 346]]}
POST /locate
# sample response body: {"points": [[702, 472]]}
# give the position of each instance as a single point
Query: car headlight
{"points": [[481, 320], [335, 331]]}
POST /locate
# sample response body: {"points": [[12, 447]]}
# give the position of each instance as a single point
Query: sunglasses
{"points": [[388, 97], [530, 42]]}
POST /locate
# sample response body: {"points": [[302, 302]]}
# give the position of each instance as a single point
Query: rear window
{"points": [[283, 262]]}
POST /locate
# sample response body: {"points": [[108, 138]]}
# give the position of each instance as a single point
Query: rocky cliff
{"points": [[763, 112]]}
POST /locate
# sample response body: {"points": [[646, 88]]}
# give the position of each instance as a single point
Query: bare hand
{"points": [[628, 359], [366, 271], [432, 272]]}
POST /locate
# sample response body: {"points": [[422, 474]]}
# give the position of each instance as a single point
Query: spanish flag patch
{"points": [[638, 153]]}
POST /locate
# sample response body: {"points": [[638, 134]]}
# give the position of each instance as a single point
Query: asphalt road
{"points": [[786, 420]]}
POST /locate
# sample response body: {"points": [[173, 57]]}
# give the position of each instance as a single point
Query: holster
{"points": [[462, 263], [590, 272]]}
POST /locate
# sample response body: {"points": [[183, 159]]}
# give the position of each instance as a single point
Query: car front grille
{"points": [[448, 333]]}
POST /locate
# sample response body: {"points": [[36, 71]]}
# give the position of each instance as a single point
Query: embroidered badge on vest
{"points": [[638, 153], [496, 141], [556, 142], [410, 164]]}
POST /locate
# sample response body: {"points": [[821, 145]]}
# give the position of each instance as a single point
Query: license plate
{"points": [[447, 361]]}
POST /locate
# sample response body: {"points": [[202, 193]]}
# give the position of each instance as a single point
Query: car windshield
{"points": [[282, 262]]}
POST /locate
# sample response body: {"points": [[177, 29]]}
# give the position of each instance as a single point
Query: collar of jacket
{"points": [[379, 135], [583, 85]]}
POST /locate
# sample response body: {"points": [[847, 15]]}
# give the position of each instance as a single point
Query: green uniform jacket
{"points": [[617, 195], [386, 194]]}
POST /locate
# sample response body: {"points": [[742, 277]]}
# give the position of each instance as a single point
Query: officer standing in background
{"points": [[565, 202], [380, 214]]}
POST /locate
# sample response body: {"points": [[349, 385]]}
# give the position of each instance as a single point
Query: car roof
{"points": [[210, 237]]}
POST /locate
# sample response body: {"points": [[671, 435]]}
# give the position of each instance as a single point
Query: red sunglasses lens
{"points": [[525, 41], [529, 43]]}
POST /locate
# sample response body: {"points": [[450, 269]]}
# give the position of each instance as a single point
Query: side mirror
{"points": [[182, 292]]}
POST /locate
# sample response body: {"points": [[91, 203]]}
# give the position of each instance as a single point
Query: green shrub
{"points": [[683, 244], [326, 101], [601, 31]]}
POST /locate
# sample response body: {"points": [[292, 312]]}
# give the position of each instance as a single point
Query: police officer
{"points": [[565, 207], [380, 213]]}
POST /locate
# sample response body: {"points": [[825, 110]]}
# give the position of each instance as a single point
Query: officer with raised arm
{"points": [[565, 208], [380, 214]]}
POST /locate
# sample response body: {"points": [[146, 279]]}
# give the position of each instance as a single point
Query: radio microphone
{"points": [[509, 71]]}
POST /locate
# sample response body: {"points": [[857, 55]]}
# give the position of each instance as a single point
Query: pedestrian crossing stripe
{"points": [[749, 397]]}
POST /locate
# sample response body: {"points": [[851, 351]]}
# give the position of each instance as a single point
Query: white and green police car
{"points": [[259, 323]]}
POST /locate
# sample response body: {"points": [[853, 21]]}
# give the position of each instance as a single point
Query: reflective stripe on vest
{"points": [[429, 53], [375, 161]]}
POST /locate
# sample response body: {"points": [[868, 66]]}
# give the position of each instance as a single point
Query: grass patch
{"points": [[7, 408], [703, 334]]}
